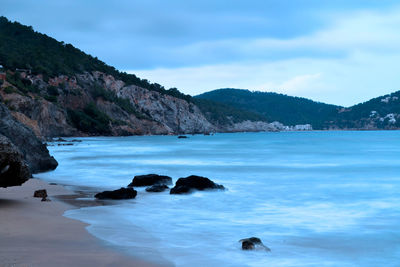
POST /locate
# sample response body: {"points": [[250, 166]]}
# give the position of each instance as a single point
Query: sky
{"points": [[338, 52]]}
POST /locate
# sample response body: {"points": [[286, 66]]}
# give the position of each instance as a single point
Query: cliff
{"points": [[96, 104]]}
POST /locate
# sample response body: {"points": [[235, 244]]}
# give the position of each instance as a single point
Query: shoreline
{"points": [[35, 233]]}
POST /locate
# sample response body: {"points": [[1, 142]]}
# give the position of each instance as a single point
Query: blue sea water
{"points": [[314, 198]]}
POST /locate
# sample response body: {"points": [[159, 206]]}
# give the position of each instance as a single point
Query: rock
{"points": [[13, 169], [60, 140], [182, 136], [122, 193], [150, 179], [188, 184], [33, 151], [157, 188], [42, 193], [247, 245], [253, 243]]}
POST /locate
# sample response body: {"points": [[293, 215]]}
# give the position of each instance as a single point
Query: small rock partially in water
{"points": [[122, 193], [194, 182], [253, 243], [157, 188], [150, 179]]}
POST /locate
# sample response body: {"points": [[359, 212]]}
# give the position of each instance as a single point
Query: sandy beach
{"points": [[34, 233]]}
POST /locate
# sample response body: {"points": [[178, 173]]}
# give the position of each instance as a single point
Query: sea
{"points": [[329, 198]]}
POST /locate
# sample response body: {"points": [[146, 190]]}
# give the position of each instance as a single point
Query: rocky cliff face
{"points": [[176, 115], [98, 104], [33, 151], [13, 169]]}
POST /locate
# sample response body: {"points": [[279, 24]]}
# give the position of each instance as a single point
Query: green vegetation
{"points": [[90, 120], [22, 47], [222, 114], [99, 91], [9, 90], [358, 116], [275, 107], [23, 84]]}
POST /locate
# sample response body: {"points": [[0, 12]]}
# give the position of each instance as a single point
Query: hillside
{"points": [[378, 113], [58, 90], [276, 107]]}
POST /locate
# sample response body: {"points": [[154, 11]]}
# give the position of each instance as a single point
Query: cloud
{"points": [[353, 59]]}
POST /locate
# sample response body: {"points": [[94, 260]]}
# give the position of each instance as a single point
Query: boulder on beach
{"points": [[34, 153], [13, 169], [122, 193], [253, 243], [42, 193], [157, 188], [194, 182], [150, 179]]}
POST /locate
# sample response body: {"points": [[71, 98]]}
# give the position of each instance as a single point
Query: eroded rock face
{"points": [[13, 169], [33, 151], [193, 182], [176, 115], [122, 193], [150, 179]]}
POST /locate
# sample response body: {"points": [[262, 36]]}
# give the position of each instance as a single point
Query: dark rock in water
{"points": [[122, 193], [182, 136], [247, 245], [42, 193], [193, 182], [150, 179], [253, 243], [66, 144], [13, 169], [60, 140], [33, 151], [157, 188]]}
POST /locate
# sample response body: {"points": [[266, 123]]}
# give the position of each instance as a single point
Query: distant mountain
{"points": [[378, 113], [276, 107]]}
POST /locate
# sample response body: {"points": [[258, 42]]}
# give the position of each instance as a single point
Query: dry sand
{"points": [[34, 233]]}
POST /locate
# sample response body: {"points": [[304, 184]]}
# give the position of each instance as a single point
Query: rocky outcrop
{"points": [[13, 169], [150, 179], [33, 151], [177, 115], [122, 193], [193, 182], [253, 243]]}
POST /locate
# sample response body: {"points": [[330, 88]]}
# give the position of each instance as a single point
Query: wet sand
{"points": [[34, 233]]}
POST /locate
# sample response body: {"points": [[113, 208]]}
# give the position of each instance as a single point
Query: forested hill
{"points": [[378, 113], [23, 48], [276, 107]]}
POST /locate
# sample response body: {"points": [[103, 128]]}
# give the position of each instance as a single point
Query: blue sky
{"points": [[340, 52]]}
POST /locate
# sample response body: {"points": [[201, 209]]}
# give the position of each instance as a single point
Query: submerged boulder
{"points": [[194, 182], [253, 243], [150, 179], [122, 193], [13, 169], [157, 188]]}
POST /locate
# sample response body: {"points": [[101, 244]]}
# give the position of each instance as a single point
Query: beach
{"points": [[35, 232]]}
